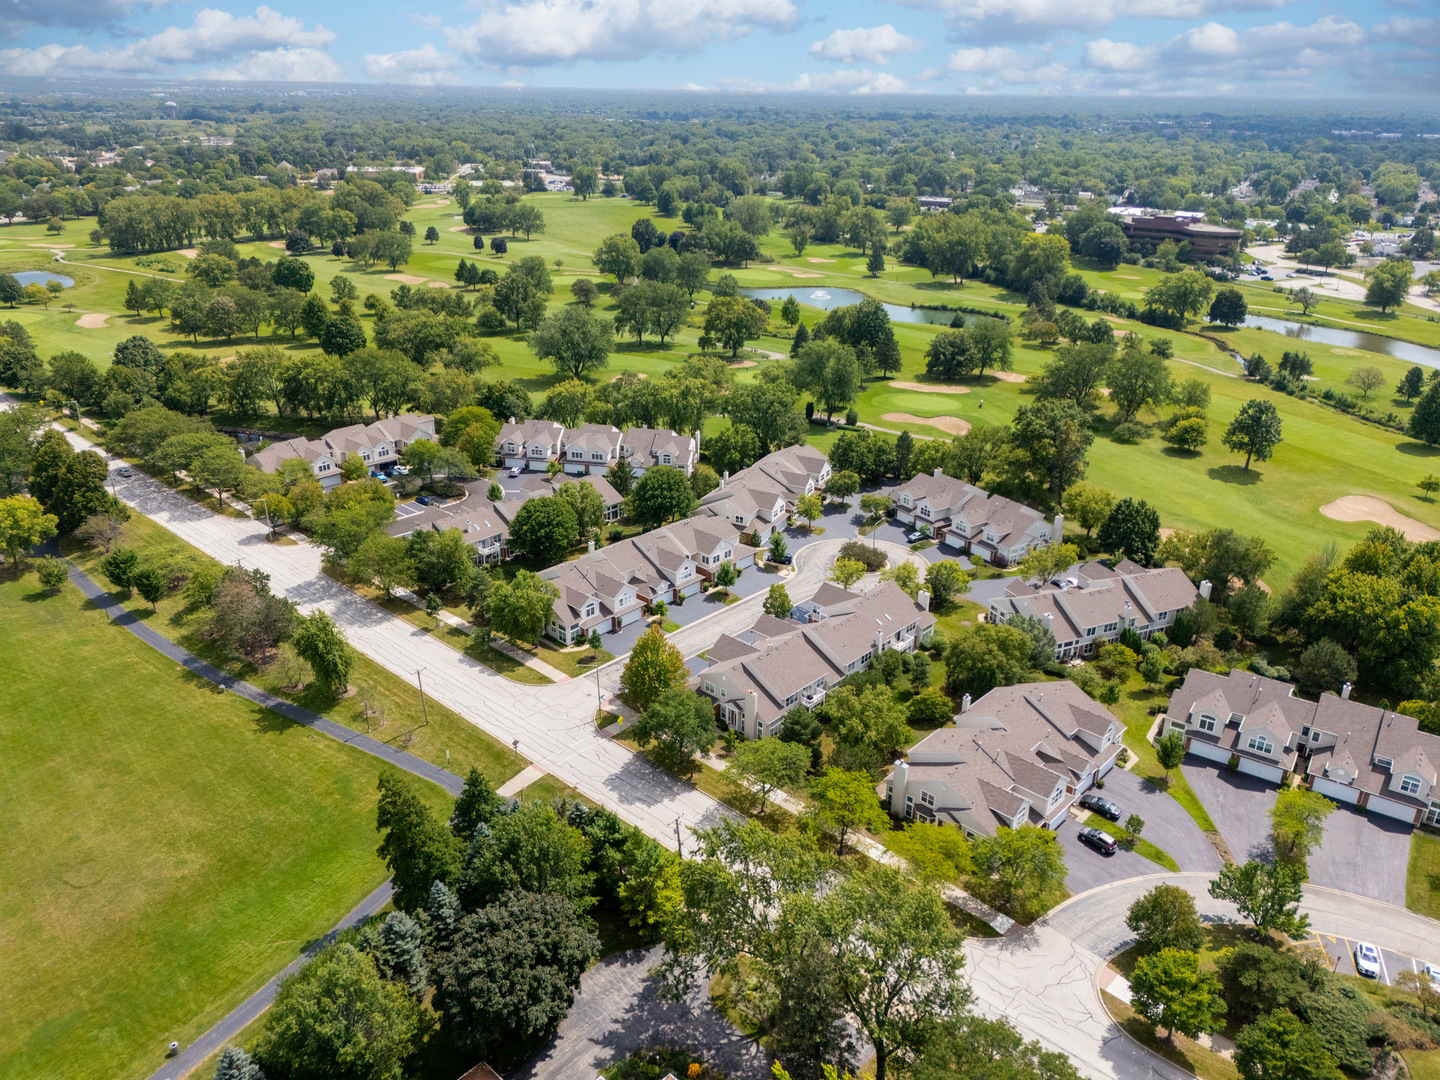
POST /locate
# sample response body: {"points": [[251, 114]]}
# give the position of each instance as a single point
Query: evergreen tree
{"points": [[1412, 384], [1424, 421], [402, 952], [236, 1064], [418, 849], [802, 338]]}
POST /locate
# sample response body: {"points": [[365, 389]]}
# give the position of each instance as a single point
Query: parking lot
{"points": [[1340, 957]]}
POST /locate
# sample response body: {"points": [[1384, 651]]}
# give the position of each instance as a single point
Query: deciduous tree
{"points": [[1165, 918], [1267, 894], [679, 723], [1169, 989], [843, 802]]}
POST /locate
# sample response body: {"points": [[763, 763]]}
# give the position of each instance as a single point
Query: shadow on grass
{"points": [[1415, 449], [1179, 454], [1235, 474]]}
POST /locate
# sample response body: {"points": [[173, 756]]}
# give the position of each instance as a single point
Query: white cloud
{"points": [[425, 66], [537, 32], [1008, 66], [876, 45], [281, 65], [1409, 31], [1106, 55], [276, 44], [1035, 20], [982, 60], [849, 81]]}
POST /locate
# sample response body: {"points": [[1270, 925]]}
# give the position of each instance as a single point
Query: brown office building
{"points": [[1204, 239]]}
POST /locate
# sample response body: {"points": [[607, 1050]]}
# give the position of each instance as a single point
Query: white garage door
{"points": [[1209, 751], [1265, 772], [1339, 792], [1390, 809]]}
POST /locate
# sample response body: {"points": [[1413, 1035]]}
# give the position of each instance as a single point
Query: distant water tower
{"points": [[170, 109]]}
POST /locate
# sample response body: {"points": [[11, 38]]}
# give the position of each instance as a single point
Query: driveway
{"points": [[619, 1011], [1359, 853], [1238, 804], [1167, 826], [1363, 853]]}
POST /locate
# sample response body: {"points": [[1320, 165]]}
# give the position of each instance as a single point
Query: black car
{"points": [[1102, 806], [1101, 842], [782, 560]]}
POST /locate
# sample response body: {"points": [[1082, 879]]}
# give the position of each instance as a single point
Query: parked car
{"points": [[423, 500], [1101, 842], [402, 470], [916, 536], [781, 560], [1433, 974], [125, 472], [1367, 960], [515, 471], [1102, 806]]}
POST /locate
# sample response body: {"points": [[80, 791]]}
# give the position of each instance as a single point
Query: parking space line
{"points": [[1384, 976]]}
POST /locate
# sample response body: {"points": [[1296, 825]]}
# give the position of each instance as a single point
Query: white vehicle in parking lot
{"points": [[1433, 974], [1367, 960]]}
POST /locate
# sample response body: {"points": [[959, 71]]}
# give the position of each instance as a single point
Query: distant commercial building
{"points": [[1205, 240]]}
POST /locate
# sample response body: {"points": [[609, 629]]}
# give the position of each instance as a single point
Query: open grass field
{"points": [[448, 740], [166, 849], [1422, 879], [1325, 454]]}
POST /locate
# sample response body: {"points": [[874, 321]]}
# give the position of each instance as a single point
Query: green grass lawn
{"points": [[1186, 1053], [1422, 879], [167, 849], [1423, 1064], [449, 740], [575, 664], [1142, 846]]}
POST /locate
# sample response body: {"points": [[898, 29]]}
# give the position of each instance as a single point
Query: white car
{"points": [[515, 471], [1433, 974], [1367, 960]]}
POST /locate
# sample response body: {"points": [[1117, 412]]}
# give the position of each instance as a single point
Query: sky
{"points": [[1244, 50]]}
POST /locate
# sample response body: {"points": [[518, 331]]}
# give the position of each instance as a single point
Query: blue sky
{"points": [[1244, 50]]}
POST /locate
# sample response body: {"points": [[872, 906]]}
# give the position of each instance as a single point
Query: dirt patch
{"points": [[1369, 508], [276, 244], [1166, 533], [458, 228], [638, 375], [745, 363], [92, 320], [1009, 376], [901, 385], [227, 359], [405, 279], [1343, 352], [953, 424], [431, 205], [820, 260], [1129, 277], [437, 285], [191, 253]]}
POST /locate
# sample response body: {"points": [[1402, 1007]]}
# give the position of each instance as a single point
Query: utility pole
{"points": [[421, 683], [679, 847]]}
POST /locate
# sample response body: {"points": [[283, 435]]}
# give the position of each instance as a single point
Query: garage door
{"points": [[1209, 751], [1339, 792], [1265, 772], [1390, 809]]}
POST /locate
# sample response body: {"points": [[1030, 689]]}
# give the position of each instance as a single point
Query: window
{"points": [[722, 693], [1260, 744], [1315, 736], [1384, 763], [1410, 785], [596, 455], [1207, 722], [925, 511], [509, 447], [577, 455], [1110, 628], [710, 688], [905, 499], [1090, 631], [1161, 616], [664, 459], [590, 609], [324, 466], [927, 798], [1236, 718]]}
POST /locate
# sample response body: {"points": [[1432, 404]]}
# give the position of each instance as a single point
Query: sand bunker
{"points": [[1009, 376], [795, 271], [405, 279], [93, 320], [191, 253], [53, 247], [745, 363], [954, 425], [276, 244], [458, 228], [437, 284], [638, 375], [900, 385], [820, 260], [1369, 508], [431, 205]]}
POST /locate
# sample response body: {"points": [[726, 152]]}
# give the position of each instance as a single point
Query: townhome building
{"points": [[646, 448], [591, 449], [1373, 759], [486, 524], [970, 519], [759, 499], [1021, 755], [530, 444], [1095, 603], [667, 564], [379, 445], [759, 675]]}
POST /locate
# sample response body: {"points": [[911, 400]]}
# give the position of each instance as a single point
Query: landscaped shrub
{"points": [[872, 557]]}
